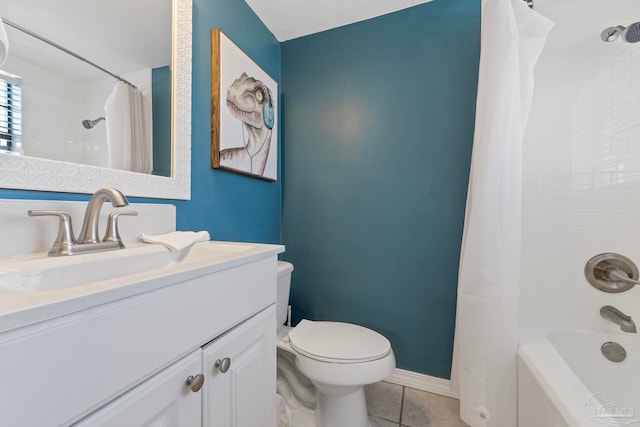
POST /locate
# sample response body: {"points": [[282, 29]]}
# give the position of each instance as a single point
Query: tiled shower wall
{"points": [[581, 167]]}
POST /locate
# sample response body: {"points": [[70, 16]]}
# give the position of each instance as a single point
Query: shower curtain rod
{"points": [[65, 50]]}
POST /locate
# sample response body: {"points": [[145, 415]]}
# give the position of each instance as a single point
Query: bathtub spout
{"points": [[619, 318]]}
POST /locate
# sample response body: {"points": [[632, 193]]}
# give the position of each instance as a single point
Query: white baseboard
{"points": [[421, 382]]}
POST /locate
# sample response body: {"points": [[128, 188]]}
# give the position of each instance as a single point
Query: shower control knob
{"points": [[195, 382], [611, 272], [223, 365]]}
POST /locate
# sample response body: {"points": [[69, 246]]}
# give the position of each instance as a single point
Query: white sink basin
{"points": [[43, 273]]}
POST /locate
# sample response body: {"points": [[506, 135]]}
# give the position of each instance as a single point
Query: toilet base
{"points": [[349, 408]]}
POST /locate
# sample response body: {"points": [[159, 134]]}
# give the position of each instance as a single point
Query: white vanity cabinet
{"points": [[238, 388], [239, 376], [164, 400], [121, 357]]}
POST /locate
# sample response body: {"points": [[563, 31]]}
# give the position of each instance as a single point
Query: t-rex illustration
{"points": [[250, 101]]}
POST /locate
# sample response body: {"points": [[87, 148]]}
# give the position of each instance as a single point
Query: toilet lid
{"points": [[338, 342]]}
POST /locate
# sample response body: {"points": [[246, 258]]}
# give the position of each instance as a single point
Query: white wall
{"points": [[50, 112], [581, 183]]}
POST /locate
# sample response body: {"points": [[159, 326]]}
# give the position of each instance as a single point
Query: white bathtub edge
{"points": [[562, 387]]}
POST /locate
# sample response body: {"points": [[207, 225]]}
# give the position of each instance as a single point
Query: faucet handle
{"points": [[65, 238], [112, 234]]}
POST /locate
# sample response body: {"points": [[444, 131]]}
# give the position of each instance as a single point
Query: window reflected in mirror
{"points": [[10, 113]]}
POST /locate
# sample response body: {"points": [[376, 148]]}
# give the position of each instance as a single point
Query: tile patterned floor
{"points": [[389, 405], [392, 405]]}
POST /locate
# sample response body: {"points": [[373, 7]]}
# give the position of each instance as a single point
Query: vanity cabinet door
{"points": [[164, 400], [240, 375]]}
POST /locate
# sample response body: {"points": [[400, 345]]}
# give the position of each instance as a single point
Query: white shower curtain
{"points": [[486, 337], [129, 144]]}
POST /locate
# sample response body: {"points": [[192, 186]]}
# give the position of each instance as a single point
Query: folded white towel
{"points": [[176, 240]]}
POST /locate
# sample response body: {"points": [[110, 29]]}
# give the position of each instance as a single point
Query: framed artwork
{"points": [[244, 112]]}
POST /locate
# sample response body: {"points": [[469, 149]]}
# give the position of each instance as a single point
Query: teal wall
{"points": [[378, 135], [379, 122], [229, 206], [161, 111]]}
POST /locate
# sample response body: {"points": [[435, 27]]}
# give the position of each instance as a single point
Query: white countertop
{"points": [[20, 308]]}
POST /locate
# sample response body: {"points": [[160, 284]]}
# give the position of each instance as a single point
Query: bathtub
{"points": [[564, 380]]}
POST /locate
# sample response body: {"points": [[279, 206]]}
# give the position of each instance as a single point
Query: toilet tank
{"points": [[284, 284]]}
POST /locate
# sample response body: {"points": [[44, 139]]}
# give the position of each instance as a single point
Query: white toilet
{"points": [[338, 358]]}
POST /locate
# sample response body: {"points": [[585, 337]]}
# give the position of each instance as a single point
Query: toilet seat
{"points": [[337, 342]]}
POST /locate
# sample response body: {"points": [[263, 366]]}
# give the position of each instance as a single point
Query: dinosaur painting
{"points": [[244, 130], [249, 101]]}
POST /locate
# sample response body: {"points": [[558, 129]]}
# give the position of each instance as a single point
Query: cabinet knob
{"points": [[195, 382], [223, 365]]}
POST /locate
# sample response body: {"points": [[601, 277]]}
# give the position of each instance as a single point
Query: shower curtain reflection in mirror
{"points": [[129, 144]]}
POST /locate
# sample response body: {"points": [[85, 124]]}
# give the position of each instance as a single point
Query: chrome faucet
{"points": [[89, 231], [619, 318], [88, 240]]}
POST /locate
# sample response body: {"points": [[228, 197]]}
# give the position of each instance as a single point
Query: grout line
{"points": [[385, 419], [401, 406]]}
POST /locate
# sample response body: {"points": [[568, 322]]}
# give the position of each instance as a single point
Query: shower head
{"points": [[630, 33], [88, 124]]}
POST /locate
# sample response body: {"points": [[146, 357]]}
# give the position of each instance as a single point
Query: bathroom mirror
{"points": [[33, 173]]}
